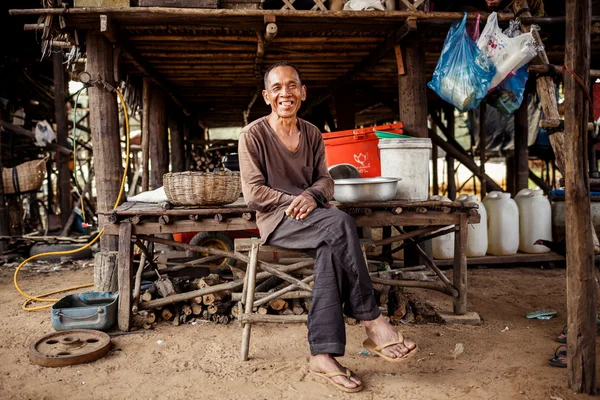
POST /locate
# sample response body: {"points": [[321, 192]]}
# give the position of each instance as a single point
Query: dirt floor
{"points": [[505, 358]]}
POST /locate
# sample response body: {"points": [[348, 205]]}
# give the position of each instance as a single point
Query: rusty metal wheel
{"points": [[71, 347]]}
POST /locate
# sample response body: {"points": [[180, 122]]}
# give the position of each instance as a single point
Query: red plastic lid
{"points": [[392, 128]]}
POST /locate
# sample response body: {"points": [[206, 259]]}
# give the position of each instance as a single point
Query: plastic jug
{"points": [[443, 246], [477, 236], [535, 220], [503, 224]]}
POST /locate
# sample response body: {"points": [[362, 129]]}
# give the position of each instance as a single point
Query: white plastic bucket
{"points": [[407, 159]]}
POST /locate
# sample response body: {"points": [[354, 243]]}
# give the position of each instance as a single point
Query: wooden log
{"points": [[218, 218], [249, 287], [297, 307], [177, 317], [164, 219], [165, 287], [278, 304], [186, 309], [150, 317], [400, 302], [196, 309], [104, 123], [166, 314], [307, 304], [222, 308], [216, 297], [278, 293], [581, 299], [415, 284], [125, 276], [247, 216], [159, 141], [138, 283], [106, 272], [147, 296], [262, 310]]}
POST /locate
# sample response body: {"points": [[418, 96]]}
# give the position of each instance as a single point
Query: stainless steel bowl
{"points": [[365, 189]]}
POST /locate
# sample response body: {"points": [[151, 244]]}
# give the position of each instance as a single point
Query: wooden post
{"points": [[412, 89], [177, 147], [581, 294], [482, 148], [344, 108], [460, 266], [434, 164], [510, 175], [521, 149], [249, 285], [146, 134], [60, 113], [4, 230], [159, 138], [105, 272], [125, 275], [449, 113], [104, 124]]}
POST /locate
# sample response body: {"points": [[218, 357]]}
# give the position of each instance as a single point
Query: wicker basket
{"points": [[25, 177], [202, 188]]}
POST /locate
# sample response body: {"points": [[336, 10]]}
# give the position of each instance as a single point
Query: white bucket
{"points": [[407, 159]]}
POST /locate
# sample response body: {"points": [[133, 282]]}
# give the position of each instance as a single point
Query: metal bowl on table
{"points": [[365, 189]]}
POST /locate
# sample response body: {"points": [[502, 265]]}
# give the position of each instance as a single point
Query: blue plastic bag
{"points": [[463, 73], [508, 96]]}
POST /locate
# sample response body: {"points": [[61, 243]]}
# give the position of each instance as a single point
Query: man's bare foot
{"points": [[380, 331], [325, 363]]}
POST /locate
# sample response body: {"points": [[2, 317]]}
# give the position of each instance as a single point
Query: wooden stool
{"points": [[248, 302]]}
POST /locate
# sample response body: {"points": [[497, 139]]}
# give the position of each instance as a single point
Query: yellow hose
{"points": [[41, 297]]}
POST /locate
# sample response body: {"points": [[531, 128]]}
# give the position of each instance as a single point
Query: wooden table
{"points": [[133, 219]]}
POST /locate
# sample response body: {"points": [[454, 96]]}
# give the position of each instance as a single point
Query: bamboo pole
{"points": [[146, 134]]}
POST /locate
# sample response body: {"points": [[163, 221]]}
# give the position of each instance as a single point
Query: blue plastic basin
{"points": [[92, 310]]}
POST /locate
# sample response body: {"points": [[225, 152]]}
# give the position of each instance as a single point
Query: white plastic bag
{"points": [[151, 196], [44, 134], [358, 5], [508, 54]]}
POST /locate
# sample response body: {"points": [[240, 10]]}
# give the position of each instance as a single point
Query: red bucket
{"points": [[358, 147]]}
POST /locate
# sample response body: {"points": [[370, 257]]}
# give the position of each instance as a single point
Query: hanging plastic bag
{"points": [[507, 98], [473, 28], [463, 73], [507, 53]]}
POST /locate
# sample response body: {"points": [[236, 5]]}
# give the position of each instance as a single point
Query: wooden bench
{"points": [[248, 301]]}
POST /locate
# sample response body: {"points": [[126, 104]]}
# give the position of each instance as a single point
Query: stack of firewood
{"points": [[210, 159], [222, 307]]}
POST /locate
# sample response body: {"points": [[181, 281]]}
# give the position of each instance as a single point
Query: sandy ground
{"points": [[201, 361]]}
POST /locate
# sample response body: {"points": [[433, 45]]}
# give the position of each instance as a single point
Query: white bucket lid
{"points": [[412, 143]]}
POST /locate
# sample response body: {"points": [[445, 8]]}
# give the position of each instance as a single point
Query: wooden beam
{"points": [[371, 60], [104, 123], [62, 134], [544, 69], [17, 130], [111, 32], [581, 294]]}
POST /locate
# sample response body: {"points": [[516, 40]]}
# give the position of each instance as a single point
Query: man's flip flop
{"points": [[330, 375], [562, 338], [560, 358], [372, 347]]}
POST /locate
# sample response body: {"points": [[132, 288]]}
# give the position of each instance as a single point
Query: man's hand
{"points": [[301, 206]]}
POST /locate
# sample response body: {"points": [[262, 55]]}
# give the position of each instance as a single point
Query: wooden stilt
{"points": [[344, 108], [4, 230], [412, 89], [146, 134], [581, 299], [521, 149], [104, 124], [177, 147], [434, 161], [451, 182], [159, 139], [482, 148], [64, 175], [460, 267]]}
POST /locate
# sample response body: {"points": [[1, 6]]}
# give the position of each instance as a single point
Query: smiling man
{"points": [[285, 179]]}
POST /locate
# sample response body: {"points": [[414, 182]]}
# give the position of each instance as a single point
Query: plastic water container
{"points": [[443, 246], [477, 236], [407, 159], [503, 224], [535, 220]]}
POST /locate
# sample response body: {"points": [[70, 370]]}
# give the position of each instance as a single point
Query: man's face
{"points": [[493, 3], [284, 92]]}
